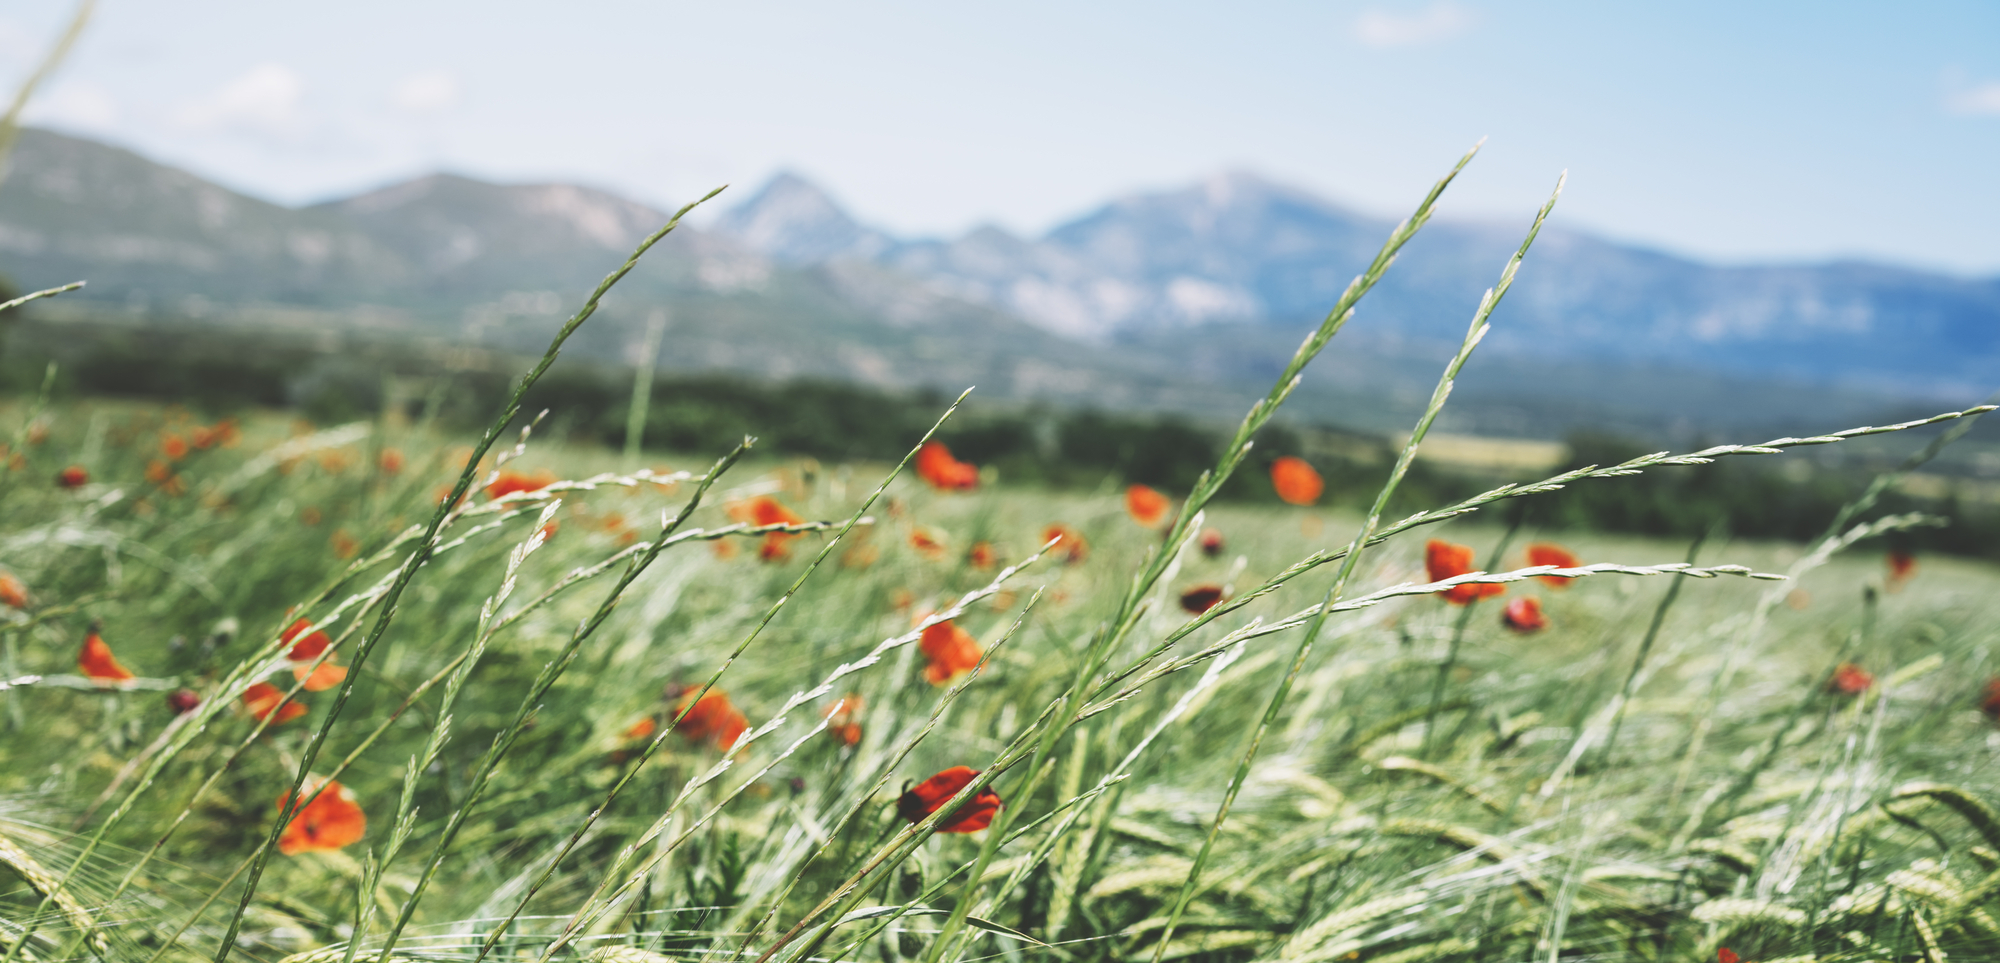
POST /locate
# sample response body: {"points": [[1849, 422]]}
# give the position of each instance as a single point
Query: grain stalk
{"points": [[1474, 333], [416, 560]]}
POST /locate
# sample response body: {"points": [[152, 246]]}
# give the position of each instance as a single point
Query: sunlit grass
{"points": [[1420, 782]]}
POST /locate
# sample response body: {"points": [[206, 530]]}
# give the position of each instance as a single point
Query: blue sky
{"points": [[1728, 131]]}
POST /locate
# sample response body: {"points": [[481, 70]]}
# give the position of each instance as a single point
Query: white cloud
{"points": [[76, 105], [267, 99], [429, 92], [1980, 99], [1439, 21]]}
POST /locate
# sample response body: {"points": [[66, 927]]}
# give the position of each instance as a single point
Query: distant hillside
{"points": [[1238, 249], [448, 256], [1188, 300]]}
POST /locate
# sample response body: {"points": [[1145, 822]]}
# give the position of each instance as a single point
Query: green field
{"points": [[1399, 808], [588, 711]]}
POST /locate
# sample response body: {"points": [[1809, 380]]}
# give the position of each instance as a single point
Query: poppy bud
{"points": [[182, 701]]}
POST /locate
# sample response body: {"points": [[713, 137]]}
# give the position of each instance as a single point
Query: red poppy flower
{"points": [[765, 510], [510, 482], [950, 649], [13, 592], [96, 661], [1201, 598], [1990, 704], [1849, 679], [174, 447], [1072, 549], [183, 701], [328, 822], [1724, 955], [1902, 566], [306, 648], [936, 466], [263, 698], [925, 797], [73, 477], [1297, 482], [203, 437], [1211, 542], [321, 679], [713, 717], [981, 556], [1147, 506], [1542, 553], [928, 541], [1443, 560], [1525, 615], [843, 720], [643, 729], [390, 460]]}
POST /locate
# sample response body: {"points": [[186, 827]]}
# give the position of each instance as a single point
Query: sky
{"points": [[1731, 132]]}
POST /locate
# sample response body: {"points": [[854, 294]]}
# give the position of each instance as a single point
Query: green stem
{"points": [[1272, 710]]}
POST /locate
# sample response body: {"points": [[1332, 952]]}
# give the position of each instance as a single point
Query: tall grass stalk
{"points": [[695, 697], [408, 571], [1474, 334]]}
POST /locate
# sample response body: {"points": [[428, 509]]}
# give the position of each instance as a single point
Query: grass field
{"points": [[711, 707], [1741, 803]]}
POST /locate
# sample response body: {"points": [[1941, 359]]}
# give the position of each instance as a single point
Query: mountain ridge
{"points": [[1238, 248], [1187, 300]]}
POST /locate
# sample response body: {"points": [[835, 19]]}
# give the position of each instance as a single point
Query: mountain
{"points": [[453, 258], [792, 221], [1237, 250], [1188, 300]]}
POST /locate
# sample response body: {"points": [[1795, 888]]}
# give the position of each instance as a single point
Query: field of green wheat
{"points": [[283, 691]]}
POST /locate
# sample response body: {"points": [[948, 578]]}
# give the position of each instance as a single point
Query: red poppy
{"points": [[510, 482], [1849, 679], [328, 822], [936, 466], [13, 593], [183, 701], [1724, 955], [928, 541], [981, 556], [203, 437], [390, 460], [73, 477], [1297, 482], [843, 720], [174, 447], [713, 717], [1147, 506], [925, 797], [950, 649], [96, 661], [306, 648], [1542, 553], [1443, 560], [765, 510], [1211, 542], [321, 679], [1902, 566], [643, 729], [1525, 615], [1072, 549], [263, 698], [1201, 598], [1990, 704]]}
